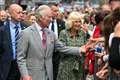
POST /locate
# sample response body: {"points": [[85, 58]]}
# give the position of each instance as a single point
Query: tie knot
{"points": [[43, 30], [52, 21]]}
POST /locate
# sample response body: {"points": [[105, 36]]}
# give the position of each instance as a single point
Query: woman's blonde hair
{"points": [[73, 16]]}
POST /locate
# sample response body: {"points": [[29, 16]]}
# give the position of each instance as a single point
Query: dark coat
{"points": [[6, 51]]}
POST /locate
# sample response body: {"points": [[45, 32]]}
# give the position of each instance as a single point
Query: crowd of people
{"points": [[53, 43]]}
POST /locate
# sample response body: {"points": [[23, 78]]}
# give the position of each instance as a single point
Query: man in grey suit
{"points": [[34, 57]]}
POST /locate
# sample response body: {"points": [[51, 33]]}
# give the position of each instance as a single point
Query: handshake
{"points": [[85, 48]]}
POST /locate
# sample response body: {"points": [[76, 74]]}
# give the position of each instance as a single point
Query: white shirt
{"points": [[55, 28], [110, 39], [39, 30]]}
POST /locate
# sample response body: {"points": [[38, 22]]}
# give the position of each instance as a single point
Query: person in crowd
{"points": [[32, 18], [106, 8], [96, 40], [109, 30], [108, 19], [35, 47], [60, 22], [114, 45], [8, 35], [66, 13], [89, 24], [114, 49], [70, 66], [92, 18], [56, 25], [114, 4], [53, 25], [3, 17], [24, 16]]}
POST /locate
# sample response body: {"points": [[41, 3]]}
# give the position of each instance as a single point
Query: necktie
{"points": [[52, 26], [16, 32], [16, 37], [43, 39]]}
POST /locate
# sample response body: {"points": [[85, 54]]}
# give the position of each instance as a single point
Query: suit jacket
{"points": [[32, 59], [6, 55], [61, 25]]}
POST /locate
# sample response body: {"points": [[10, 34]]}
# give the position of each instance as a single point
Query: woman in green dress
{"points": [[70, 66]]}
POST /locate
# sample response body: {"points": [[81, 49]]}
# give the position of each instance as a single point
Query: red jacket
{"points": [[90, 60]]}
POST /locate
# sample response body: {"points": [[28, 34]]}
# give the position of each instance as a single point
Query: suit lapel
{"points": [[37, 38], [48, 41], [8, 35], [22, 26]]}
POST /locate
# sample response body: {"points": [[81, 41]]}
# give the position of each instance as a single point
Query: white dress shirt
{"points": [[55, 28], [39, 30]]}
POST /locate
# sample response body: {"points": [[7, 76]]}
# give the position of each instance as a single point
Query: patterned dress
{"points": [[70, 66]]}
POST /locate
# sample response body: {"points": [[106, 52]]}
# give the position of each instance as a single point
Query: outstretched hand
{"points": [[83, 49]]}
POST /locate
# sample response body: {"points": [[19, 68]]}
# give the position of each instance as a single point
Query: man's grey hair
{"points": [[41, 11]]}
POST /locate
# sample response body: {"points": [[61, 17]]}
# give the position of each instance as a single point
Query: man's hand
{"points": [[26, 78]]}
